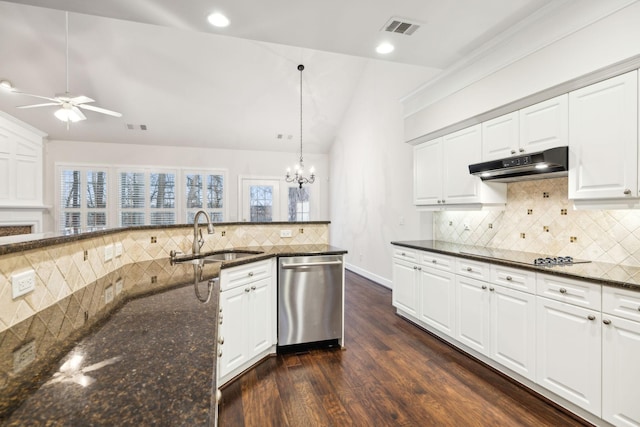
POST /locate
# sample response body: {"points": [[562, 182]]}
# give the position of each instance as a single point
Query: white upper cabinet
{"points": [[532, 129], [427, 173], [545, 125], [500, 137], [603, 139], [441, 172], [460, 149]]}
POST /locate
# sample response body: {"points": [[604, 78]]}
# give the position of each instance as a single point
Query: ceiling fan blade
{"points": [[46, 104], [79, 113], [100, 110], [36, 96], [81, 100]]}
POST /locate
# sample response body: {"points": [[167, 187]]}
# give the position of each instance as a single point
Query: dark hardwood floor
{"points": [[391, 373]]}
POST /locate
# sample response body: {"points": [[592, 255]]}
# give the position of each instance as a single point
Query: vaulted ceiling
{"points": [[160, 63]]}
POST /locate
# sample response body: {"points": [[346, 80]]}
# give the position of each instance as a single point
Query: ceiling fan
{"points": [[70, 105]]}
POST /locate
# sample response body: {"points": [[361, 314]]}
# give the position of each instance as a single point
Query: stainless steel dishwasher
{"points": [[310, 300]]}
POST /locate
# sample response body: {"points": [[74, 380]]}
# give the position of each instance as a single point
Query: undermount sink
{"points": [[228, 256]]}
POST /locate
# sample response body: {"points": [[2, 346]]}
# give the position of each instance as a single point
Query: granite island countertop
{"points": [[154, 281], [606, 274]]}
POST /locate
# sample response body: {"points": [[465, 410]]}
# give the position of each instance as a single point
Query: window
{"points": [[204, 190], [83, 199], [261, 203], [158, 188], [94, 197], [298, 204]]}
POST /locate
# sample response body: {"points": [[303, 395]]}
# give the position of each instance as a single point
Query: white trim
{"points": [[387, 283]]}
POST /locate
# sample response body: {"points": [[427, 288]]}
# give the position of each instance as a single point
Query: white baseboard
{"points": [[387, 283]]}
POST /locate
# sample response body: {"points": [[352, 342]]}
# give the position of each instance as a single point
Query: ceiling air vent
{"points": [[401, 26]]}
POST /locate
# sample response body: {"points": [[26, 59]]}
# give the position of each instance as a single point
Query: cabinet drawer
{"points": [[583, 294], [514, 278], [405, 254], [439, 261], [620, 302], [475, 269], [241, 275]]}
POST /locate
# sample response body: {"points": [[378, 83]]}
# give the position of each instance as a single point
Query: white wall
{"points": [[457, 97], [371, 172], [236, 162]]}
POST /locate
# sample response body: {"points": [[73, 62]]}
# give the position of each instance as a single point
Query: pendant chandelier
{"points": [[298, 176]]}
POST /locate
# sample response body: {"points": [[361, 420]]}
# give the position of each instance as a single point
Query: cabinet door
{"points": [[472, 313], [405, 286], [427, 173], [620, 371], [500, 137], [261, 316], [569, 352], [233, 329], [513, 330], [437, 299], [545, 125], [461, 149], [603, 139]]}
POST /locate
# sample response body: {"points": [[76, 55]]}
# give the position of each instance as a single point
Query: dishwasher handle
{"points": [[309, 264]]}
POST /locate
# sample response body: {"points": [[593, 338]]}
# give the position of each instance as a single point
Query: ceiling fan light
{"points": [[218, 20], [67, 115], [6, 85]]}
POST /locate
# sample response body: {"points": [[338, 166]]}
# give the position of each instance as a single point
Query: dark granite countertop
{"points": [[25, 242], [597, 272]]}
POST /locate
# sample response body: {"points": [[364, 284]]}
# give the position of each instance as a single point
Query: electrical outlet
{"points": [[23, 283], [285, 233], [118, 249], [119, 284], [108, 252], [108, 294], [23, 356], [466, 227]]}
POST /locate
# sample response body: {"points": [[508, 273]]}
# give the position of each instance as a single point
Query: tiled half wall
{"points": [[540, 218], [62, 270]]}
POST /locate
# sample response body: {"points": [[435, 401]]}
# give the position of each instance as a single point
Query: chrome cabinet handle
{"points": [[253, 288], [492, 289], [469, 269], [403, 254], [591, 317], [443, 200], [513, 151], [606, 321], [439, 201], [562, 290], [435, 262], [509, 278], [522, 150], [419, 268], [220, 353], [627, 192], [247, 290], [484, 286], [250, 273], [639, 308], [221, 340], [415, 267]]}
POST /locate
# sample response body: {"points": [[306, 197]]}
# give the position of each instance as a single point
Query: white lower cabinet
{"points": [[405, 286], [437, 299], [569, 352], [497, 322], [247, 313], [620, 357]]}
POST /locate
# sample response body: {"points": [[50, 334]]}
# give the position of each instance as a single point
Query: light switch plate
{"points": [[108, 294], [118, 286], [23, 283], [23, 356], [118, 249], [108, 252]]}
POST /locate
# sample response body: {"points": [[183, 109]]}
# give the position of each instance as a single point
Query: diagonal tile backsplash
{"points": [[540, 218]]}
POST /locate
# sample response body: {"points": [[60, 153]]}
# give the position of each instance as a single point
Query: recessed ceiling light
{"points": [[218, 20], [384, 48]]}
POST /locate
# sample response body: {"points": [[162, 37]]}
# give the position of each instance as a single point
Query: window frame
{"points": [[211, 211]]}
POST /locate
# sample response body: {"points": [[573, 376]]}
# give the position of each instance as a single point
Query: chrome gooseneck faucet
{"points": [[198, 240]]}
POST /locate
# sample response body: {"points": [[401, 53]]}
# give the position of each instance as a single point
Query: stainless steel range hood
{"points": [[551, 163]]}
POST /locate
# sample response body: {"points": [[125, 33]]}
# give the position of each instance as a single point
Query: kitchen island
{"points": [[96, 288]]}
